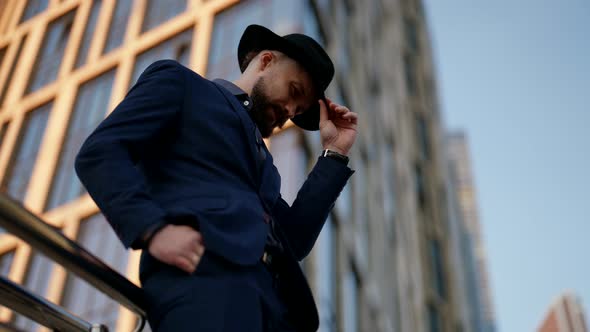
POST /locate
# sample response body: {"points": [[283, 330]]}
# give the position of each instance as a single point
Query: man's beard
{"points": [[266, 115]]}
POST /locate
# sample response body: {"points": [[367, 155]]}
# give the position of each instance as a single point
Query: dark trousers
{"points": [[219, 296]]}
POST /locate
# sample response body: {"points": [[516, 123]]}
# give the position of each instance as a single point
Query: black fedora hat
{"points": [[298, 47]]}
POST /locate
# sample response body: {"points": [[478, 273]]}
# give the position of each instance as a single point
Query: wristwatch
{"points": [[335, 155]]}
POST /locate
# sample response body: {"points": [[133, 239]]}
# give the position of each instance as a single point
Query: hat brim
{"points": [[310, 119], [257, 38]]}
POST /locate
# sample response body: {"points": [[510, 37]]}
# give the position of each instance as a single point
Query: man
{"points": [[180, 170]]}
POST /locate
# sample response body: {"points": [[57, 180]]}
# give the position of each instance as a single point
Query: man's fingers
{"points": [[341, 109], [200, 249], [350, 115], [193, 252], [196, 237], [196, 259], [199, 237], [323, 111], [184, 264], [330, 103]]}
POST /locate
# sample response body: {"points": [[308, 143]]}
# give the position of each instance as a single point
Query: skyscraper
{"points": [[382, 260], [470, 243], [566, 314]]}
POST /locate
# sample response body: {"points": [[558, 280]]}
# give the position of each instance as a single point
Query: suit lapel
{"points": [[270, 180], [267, 177], [254, 139]]}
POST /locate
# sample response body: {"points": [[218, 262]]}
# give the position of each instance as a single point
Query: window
{"points": [[410, 72], [89, 109], [433, 319], [344, 20], [118, 25], [83, 299], [436, 263], [177, 48], [411, 32], [6, 263], [290, 158], [326, 276], [376, 13], [39, 268], [11, 70], [158, 12], [350, 301], [2, 54], [344, 201], [33, 8], [36, 281], [281, 16], [21, 323], [324, 6], [361, 207], [388, 177], [471, 280], [420, 185], [3, 129], [344, 204], [419, 9], [88, 33], [311, 25], [20, 168], [423, 139], [49, 58]]}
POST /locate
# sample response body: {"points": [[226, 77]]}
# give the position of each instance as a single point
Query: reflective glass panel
{"points": [[82, 299], [90, 108], [20, 168], [51, 53]]}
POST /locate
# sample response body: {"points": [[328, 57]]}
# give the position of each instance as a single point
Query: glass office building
{"points": [[381, 262], [472, 272]]}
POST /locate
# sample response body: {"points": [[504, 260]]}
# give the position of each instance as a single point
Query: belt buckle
{"points": [[266, 258]]}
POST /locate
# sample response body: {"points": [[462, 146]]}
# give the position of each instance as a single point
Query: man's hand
{"points": [[179, 246], [337, 127]]}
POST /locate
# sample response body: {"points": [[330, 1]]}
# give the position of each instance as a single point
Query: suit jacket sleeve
{"points": [[106, 163], [301, 223]]}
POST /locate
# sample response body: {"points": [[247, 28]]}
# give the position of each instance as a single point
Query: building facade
{"points": [[382, 262], [566, 314], [473, 268], [466, 259]]}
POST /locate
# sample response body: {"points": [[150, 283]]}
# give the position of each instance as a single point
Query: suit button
{"points": [[267, 218]]}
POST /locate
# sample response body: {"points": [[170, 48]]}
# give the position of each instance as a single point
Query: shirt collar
{"points": [[235, 90], [242, 97]]}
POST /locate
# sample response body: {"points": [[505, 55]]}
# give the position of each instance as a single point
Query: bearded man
{"points": [[180, 170]]}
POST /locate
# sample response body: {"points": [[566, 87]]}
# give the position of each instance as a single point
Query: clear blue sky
{"points": [[516, 76]]}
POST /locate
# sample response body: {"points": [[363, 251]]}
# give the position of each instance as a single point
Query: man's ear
{"points": [[265, 60]]}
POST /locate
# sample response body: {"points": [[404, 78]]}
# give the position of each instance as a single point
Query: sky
{"points": [[515, 75]]}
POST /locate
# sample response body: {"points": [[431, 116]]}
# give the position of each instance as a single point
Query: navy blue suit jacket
{"points": [[181, 148]]}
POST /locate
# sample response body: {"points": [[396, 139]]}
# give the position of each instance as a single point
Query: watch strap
{"points": [[336, 156]]}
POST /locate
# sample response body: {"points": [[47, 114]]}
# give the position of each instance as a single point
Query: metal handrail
{"points": [[17, 298], [24, 224]]}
